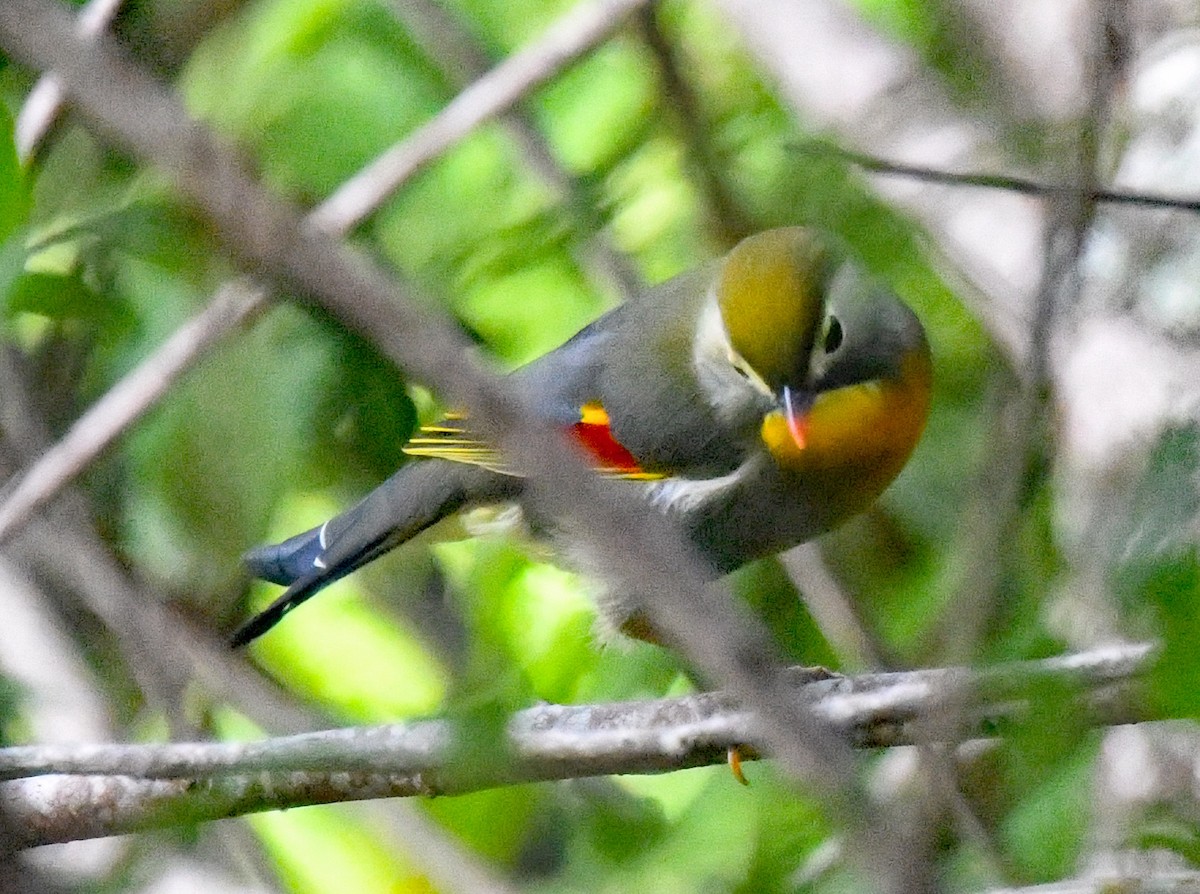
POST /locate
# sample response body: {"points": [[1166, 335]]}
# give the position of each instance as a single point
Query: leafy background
{"points": [[670, 144]]}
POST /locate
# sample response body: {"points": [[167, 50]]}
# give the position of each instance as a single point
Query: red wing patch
{"points": [[451, 439], [592, 431]]}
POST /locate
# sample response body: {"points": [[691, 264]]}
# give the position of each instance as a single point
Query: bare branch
{"points": [[45, 101], [586, 25], [127, 402], [1008, 182], [1006, 477], [462, 59], [144, 786]]}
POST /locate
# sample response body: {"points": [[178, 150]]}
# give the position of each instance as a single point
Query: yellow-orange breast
{"points": [[859, 436]]}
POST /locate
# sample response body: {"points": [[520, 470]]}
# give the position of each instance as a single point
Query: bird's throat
{"points": [[866, 431]]}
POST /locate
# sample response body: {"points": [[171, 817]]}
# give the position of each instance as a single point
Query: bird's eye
{"points": [[833, 335], [741, 371]]}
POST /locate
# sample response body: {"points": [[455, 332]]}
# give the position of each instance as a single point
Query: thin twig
{"points": [[1013, 470], [44, 104], [155, 785], [126, 402], [1011, 473], [1006, 182], [585, 26], [681, 99]]}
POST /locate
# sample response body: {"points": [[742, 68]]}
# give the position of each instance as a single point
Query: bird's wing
{"points": [[562, 387], [451, 439]]}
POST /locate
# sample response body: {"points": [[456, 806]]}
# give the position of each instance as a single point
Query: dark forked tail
{"points": [[416, 497]]}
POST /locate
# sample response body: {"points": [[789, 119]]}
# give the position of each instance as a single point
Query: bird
{"points": [[757, 401]]}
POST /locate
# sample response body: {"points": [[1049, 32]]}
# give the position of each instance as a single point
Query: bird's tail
{"points": [[419, 495], [282, 563]]}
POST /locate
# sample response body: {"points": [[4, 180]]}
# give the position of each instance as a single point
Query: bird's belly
{"points": [[750, 513]]}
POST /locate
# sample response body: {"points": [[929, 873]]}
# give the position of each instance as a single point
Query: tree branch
{"points": [[1007, 182], [126, 402], [98, 790], [585, 26], [45, 102]]}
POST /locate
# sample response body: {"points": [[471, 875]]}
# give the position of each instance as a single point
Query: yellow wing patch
{"points": [[450, 439]]}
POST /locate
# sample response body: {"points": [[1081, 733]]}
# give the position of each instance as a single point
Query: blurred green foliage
{"points": [[293, 418]]}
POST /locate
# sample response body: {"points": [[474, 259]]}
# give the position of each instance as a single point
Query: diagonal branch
{"points": [[44, 105], [585, 26], [126, 402], [153, 785]]}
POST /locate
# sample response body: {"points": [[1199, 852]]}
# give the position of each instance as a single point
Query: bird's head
{"points": [[836, 365]]}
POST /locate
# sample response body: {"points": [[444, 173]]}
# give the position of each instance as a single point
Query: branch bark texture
{"points": [[64, 793]]}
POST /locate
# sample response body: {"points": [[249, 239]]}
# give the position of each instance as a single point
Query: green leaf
{"points": [[1157, 571], [1045, 832], [50, 295], [1173, 588], [14, 191]]}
